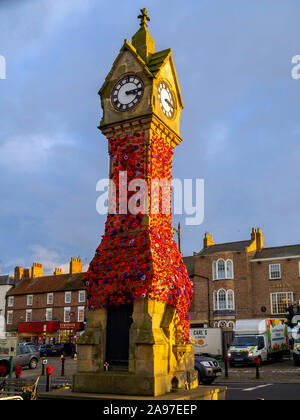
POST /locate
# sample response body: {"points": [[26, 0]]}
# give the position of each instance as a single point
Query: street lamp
{"points": [[178, 231]]}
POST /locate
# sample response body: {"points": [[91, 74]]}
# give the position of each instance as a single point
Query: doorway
{"points": [[119, 320]]}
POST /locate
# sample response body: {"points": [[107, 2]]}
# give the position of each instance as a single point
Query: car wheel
{"points": [[33, 363]]}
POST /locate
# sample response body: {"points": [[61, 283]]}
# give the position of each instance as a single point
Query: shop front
{"points": [[49, 332], [68, 332], [38, 332]]}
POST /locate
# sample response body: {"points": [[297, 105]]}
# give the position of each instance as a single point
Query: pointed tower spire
{"points": [[142, 40]]}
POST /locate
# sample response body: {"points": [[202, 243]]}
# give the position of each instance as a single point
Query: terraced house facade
{"points": [[47, 309], [240, 280]]}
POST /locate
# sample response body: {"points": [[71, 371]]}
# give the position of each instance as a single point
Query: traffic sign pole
{"points": [[11, 361]]}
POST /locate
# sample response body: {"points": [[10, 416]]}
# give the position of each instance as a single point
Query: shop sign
{"points": [[75, 326]]}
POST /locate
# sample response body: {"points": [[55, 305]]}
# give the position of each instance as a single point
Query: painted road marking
{"points": [[257, 387]]}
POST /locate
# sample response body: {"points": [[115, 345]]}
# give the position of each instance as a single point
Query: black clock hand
{"points": [[169, 103], [133, 91]]}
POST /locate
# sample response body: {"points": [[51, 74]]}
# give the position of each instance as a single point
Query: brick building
{"points": [[239, 280], [47, 309], [6, 283]]}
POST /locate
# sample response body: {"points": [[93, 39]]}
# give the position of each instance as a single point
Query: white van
{"points": [[262, 338]]}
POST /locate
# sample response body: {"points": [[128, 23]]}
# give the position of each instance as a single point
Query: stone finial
{"points": [[144, 17], [142, 40]]}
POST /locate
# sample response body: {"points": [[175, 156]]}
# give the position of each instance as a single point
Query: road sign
{"points": [[45, 361]]}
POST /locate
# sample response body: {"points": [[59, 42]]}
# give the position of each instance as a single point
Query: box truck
{"points": [[262, 338], [207, 341]]}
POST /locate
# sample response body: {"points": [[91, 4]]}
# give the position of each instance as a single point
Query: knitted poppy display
{"points": [[138, 257]]}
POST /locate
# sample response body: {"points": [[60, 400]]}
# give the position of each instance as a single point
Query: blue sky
{"points": [[240, 124]]}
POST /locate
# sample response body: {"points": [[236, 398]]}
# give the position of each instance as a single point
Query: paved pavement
{"points": [[271, 372], [275, 372], [278, 380], [70, 368]]}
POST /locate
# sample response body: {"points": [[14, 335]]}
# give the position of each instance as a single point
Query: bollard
{"points": [[49, 370], [44, 362], [257, 363], [18, 371], [226, 366], [62, 358]]}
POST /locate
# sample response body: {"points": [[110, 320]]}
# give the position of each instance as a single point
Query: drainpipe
{"points": [[208, 295]]}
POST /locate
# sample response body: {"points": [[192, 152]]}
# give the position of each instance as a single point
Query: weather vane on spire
{"points": [[144, 17]]}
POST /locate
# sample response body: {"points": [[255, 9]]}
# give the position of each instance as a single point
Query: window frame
{"points": [[80, 308], [49, 310], [28, 311], [48, 296], [28, 298], [67, 309], [9, 299], [216, 270], [79, 294], [216, 298], [270, 271], [9, 314], [289, 299], [69, 293]]}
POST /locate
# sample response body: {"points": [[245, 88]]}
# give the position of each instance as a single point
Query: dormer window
{"points": [[222, 269]]}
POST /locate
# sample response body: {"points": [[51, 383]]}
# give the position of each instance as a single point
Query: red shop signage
{"points": [[38, 327], [76, 326]]}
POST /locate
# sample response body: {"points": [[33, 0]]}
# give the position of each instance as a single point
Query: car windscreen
{"points": [[245, 340]]}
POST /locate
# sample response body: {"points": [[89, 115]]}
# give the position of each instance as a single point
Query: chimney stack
{"points": [[57, 271], [18, 273], [75, 265], [37, 270], [259, 239], [208, 240], [26, 274]]}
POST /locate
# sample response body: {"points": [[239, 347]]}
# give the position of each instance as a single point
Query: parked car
{"points": [[44, 349], [56, 350], [35, 346], [69, 349], [208, 369], [26, 356]]}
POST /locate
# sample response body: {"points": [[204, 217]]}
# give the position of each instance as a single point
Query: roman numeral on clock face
{"points": [[127, 93]]}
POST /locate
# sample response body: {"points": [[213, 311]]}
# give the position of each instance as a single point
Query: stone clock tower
{"points": [[137, 336]]}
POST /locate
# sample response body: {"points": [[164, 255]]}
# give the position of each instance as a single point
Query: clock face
{"points": [[127, 93], [166, 99]]}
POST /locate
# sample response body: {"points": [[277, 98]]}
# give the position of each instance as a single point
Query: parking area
{"points": [[70, 368], [276, 372]]}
